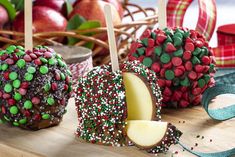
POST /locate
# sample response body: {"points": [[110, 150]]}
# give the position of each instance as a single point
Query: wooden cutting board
{"points": [[61, 141]]}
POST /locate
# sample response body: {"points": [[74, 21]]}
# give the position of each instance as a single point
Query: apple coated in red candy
{"points": [[182, 60]]}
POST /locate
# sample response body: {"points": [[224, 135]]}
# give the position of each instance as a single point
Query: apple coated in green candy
{"points": [[181, 59], [34, 87]]}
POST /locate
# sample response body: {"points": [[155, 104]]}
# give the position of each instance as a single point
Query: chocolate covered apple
{"points": [[182, 60], [35, 87], [106, 99], [152, 136]]}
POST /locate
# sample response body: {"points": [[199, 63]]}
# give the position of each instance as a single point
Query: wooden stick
{"points": [[111, 38], [162, 14], [28, 28]]}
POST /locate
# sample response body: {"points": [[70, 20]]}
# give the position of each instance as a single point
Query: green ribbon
{"points": [[220, 114]]}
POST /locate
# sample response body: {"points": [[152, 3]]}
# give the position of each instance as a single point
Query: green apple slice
{"points": [[139, 98], [146, 134]]}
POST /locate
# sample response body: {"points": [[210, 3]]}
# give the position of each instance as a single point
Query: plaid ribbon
{"points": [[176, 10], [225, 55]]}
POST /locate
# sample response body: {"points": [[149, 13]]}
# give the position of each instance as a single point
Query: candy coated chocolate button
{"points": [[28, 77], [47, 87], [20, 63], [35, 100], [17, 96], [13, 75], [178, 72], [147, 61], [23, 121], [31, 70], [28, 104], [27, 58], [61, 63], [13, 110], [169, 74], [43, 70], [45, 116], [165, 58], [4, 67], [8, 88], [178, 53], [189, 46], [16, 83], [11, 48], [50, 101], [52, 61], [43, 60], [176, 61]]}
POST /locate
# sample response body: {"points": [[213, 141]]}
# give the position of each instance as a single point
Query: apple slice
{"points": [[153, 136], [139, 98]]}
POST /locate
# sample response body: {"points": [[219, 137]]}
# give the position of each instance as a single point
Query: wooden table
{"points": [[61, 141]]}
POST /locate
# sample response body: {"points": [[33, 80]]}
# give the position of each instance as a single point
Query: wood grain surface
{"points": [[61, 141]]}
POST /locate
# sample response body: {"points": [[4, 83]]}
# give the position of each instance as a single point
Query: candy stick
{"points": [[111, 38], [28, 29], [162, 14]]}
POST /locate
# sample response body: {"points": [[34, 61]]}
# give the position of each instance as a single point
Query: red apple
{"points": [[57, 5], [44, 20], [94, 10], [3, 16], [117, 4]]}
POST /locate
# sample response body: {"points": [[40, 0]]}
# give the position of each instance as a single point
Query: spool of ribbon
{"points": [[225, 52], [176, 10], [220, 114]]}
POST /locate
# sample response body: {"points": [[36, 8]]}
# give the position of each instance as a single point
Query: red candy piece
{"points": [[187, 55], [47, 54], [15, 57], [188, 66], [134, 47], [6, 96], [66, 87], [168, 83], [178, 72], [199, 68], [27, 58], [189, 46], [192, 75], [24, 85], [3, 110], [196, 91], [6, 75], [176, 61], [11, 102], [22, 91], [197, 100], [38, 61], [151, 42], [146, 34], [177, 95], [160, 38], [9, 61], [199, 43], [167, 66], [156, 67], [162, 72], [149, 51], [27, 113], [37, 117], [185, 96], [170, 48], [183, 103], [57, 76], [167, 92], [54, 86], [206, 60], [161, 82], [33, 56], [35, 100]]}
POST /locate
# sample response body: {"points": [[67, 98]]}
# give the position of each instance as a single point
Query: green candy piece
{"points": [[165, 58], [61, 63], [195, 60], [46, 116], [14, 110], [43, 70], [201, 83], [58, 56], [50, 101], [20, 47], [167, 31], [185, 82], [20, 53], [177, 41], [17, 96], [158, 50], [4, 67], [11, 49], [23, 121], [62, 76], [52, 61], [178, 53], [141, 51], [2, 52], [16, 83], [69, 72], [21, 63], [8, 88], [6, 118], [44, 60], [135, 55], [207, 78], [168, 39], [153, 35], [197, 51], [1, 121], [147, 61], [179, 35], [178, 30], [186, 34], [145, 41], [205, 50], [70, 88], [28, 77], [169, 75], [13, 75], [28, 104], [15, 123], [31, 70], [212, 67], [202, 53], [47, 87]]}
